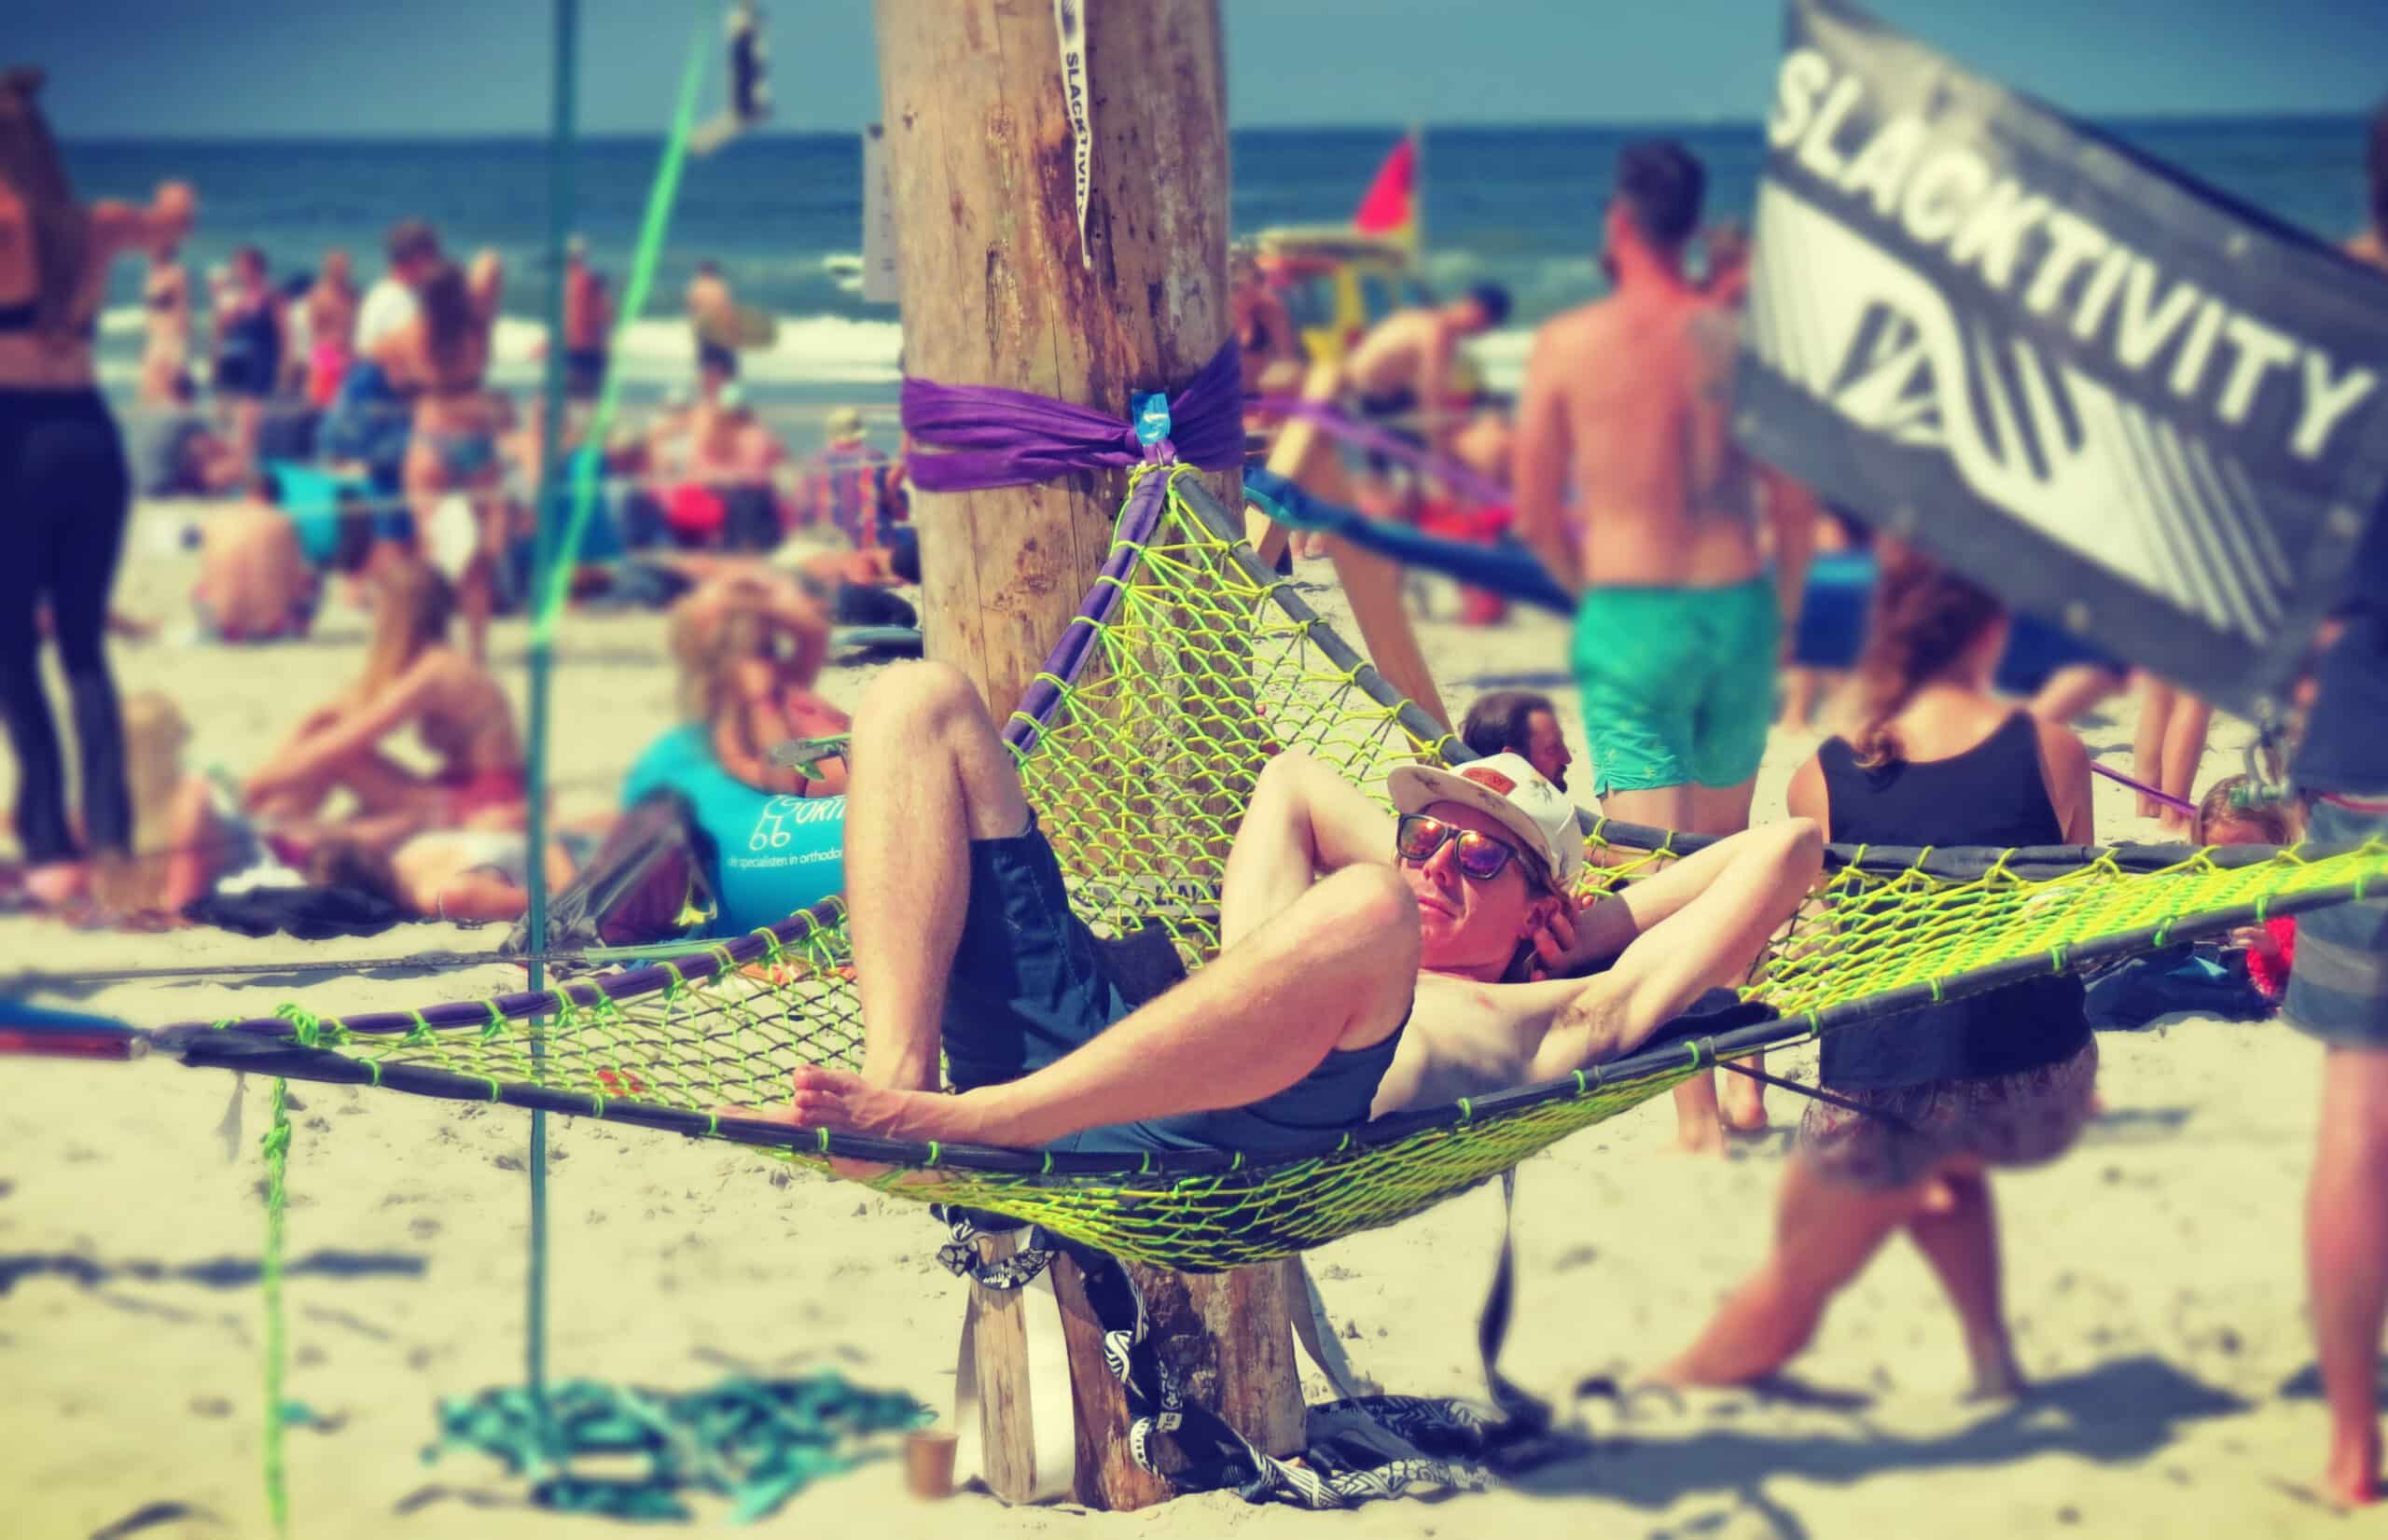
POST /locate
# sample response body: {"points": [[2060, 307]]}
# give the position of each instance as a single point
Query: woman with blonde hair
{"points": [[65, 490], [412, 677], [1928, 1101], [749, 653]]}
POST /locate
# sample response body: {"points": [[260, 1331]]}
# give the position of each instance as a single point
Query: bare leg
{"points": [[1800, 687], [1959, 1237], [2184, 746], [1699, 1125], [2346, 1261], [930, 775], [1726, 810], [1824, 1236], [2072, 691], [2156, 699]]}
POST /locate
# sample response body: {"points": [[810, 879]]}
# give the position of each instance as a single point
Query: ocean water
{"points": [[782, 215]]}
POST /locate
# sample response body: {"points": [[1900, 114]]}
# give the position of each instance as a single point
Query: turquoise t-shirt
{"points": [[775, 853]]}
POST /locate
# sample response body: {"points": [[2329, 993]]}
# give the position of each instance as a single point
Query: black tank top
{"points": [[1992, 795]]}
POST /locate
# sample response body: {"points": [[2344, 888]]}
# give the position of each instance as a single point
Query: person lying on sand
{"points": [[1365, 967], [469, 875], [412, 677]]}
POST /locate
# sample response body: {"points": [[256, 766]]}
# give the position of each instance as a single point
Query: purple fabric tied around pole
{"points": [[997, 438]]}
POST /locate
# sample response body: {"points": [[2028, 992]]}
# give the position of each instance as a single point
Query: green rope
{"points": [[277, 1165], [755, 1442]]}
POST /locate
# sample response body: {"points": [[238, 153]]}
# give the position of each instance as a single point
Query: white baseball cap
{"points": [[1502, 787]]}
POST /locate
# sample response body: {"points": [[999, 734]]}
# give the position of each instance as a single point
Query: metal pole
{"points": [[560, 200]]}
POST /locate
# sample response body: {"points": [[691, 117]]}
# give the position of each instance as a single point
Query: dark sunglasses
{"points": [[1481, 858]]}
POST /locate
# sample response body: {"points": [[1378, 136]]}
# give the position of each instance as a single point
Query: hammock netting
{"points": [[1199, 664]]}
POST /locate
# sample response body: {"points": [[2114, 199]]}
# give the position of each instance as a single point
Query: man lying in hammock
{"points": [[1361, 968]]}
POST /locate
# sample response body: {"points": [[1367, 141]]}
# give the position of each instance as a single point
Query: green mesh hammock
{"points": [[1189, 667]]}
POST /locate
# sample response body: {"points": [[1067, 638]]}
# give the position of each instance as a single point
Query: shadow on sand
{"points": [[219, 1272], [2114, 1414]]}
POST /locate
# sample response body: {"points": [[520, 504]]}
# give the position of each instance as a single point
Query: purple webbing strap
{"points": [[1136, 522], [998, 437], [1341, 425], [2175, 804]]}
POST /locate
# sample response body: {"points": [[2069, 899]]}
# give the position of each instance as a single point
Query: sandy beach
{"points": [[2154, 1276]]}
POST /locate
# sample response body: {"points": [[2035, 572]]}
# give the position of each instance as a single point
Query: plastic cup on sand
{"points": [[928, 1462]]}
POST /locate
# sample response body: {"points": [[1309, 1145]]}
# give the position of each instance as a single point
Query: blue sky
{"points": [[240, 67]]}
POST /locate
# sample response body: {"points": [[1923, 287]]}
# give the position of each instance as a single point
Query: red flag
{"points": [[1389, 206]]}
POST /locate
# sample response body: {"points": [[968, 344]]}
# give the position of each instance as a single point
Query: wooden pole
{"points": [[998, 290]]}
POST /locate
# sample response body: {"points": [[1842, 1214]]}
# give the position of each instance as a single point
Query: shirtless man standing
{"points": [[588, 322], [1627, 400], [1361, 974]]}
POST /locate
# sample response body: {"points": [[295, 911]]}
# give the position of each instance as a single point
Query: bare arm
{"points": [[1434, 384], [1699, 924], [121, 228], [1806, 797], [2064, 765], [358, 728], [1791, 511], [486, 282], [1304, 821], [1539, 468]]}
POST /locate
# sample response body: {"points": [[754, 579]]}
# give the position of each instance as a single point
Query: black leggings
{"points": [[64, 497]]}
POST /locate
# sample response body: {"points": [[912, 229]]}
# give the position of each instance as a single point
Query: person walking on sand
{"points": [[587, 324], [2337, 991], [1942, 1094], [1666, 541], [65, 487]]}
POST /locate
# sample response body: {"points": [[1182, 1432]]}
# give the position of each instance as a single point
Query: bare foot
{"points": [[1704, 1137], [1744, 1107], [2352, 1475], [57, 884], [2000, 1380]]}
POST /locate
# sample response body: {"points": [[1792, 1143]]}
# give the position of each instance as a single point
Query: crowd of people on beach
{"points": [[353, 448], [1374, 958]]}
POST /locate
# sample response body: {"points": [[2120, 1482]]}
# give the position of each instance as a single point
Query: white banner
{"points": [[1069, 25]]}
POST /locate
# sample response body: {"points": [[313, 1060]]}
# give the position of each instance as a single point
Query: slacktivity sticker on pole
{"points": [[2118, 398]]}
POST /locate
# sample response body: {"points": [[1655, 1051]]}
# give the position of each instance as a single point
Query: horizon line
{"points": [[1394, 129]]}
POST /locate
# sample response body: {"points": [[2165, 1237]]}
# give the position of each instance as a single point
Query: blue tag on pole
{"points": [[1150, 413]]}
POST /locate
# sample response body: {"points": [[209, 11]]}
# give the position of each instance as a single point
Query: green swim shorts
{"points": [[1678, 684]]}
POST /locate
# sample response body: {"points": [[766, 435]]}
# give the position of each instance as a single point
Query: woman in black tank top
{"points": [[2001, 1079]]}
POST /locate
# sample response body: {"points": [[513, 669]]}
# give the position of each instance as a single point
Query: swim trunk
{"points": [[584, 373], [2021, 1119], [2337, 991], [1394, 414], [470, 792], [1030, 984], [714, 356], [1678, 684]]}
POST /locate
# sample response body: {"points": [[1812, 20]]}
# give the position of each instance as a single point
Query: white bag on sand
{"points": [[452, 535]]}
